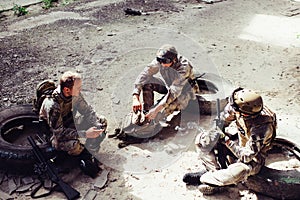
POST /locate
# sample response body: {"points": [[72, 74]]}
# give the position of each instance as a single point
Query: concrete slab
{"points": [[9, 4]]}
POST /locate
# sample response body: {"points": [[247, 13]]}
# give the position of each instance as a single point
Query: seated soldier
{"points": [[59, 111], [176, 72], [255, 126]]}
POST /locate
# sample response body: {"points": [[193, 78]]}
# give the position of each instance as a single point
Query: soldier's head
{"points": [[166, 55], [246, 101], [70, 83]]}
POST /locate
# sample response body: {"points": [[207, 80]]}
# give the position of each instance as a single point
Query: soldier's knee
{"points": [[76, 149], [239, 170], [234, 174], [72, 147]]}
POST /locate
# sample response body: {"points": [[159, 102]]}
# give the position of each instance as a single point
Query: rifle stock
{"points": [[69, 192]]}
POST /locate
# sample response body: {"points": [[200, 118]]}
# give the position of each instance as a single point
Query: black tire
{"points": [[279, 184], [16, 123], [212, 87]]}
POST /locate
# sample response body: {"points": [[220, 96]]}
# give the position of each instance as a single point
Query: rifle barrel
{"points": [[69, 192]]}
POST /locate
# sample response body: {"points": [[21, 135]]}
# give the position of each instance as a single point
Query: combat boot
{"points": [[193, 178], [88, 163], [209, 189]]}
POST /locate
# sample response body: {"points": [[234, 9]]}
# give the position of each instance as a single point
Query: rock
{"points": [[130, 11], [90, 195], [27, 180], [111, 34], [5, 196], [86, 62], [25, 187], [102, 179], [12, 186]]}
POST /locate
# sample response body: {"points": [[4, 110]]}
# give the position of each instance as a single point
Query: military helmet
{"points": [[166, 54], [246, 101]]}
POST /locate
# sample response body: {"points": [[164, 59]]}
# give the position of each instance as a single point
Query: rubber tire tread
{"points": [[17, 158]]}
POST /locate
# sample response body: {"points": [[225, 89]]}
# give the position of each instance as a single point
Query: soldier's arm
{"points": [[81, 105], [178, 84], [260, 138], [144, 76]]}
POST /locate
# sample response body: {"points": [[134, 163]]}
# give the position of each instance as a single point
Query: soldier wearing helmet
{"points": [[254, 124], [176, 72]]}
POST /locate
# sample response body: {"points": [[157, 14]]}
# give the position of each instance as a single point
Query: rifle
{"points": [[46, 166], [219, 123]]}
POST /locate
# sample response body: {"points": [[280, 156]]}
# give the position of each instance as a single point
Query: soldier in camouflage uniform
{"points": [[59, 111], [177, 73], [255, 125]]}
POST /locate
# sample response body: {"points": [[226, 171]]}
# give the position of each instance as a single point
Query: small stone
{"points": [[111, 34], [102, 179], [90, 195], [86, 62]]}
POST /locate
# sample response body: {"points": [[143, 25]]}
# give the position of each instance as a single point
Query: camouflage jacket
{"points": [[176, 78], [59, 112], [255, 134]]}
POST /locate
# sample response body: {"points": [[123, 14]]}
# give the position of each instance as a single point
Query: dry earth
{"points": [[253, 44]]}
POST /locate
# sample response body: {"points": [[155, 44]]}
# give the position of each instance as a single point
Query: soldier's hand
{"points": [[136, 104], [93, 132]]}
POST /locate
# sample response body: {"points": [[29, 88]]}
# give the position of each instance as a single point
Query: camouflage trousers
{"points": [[236, 171], [234, 174], [157, 85], [74, 146]]}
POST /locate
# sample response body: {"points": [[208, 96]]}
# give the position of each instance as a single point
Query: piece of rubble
{"points": [[130, 11], [212, 1], [90, 195], [5, 196], [25, 188], [12, 186], [102, 179], [291, 12], [27, 180]]}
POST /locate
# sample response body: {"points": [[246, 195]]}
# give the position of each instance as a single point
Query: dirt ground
{"points": [[253, 44]]}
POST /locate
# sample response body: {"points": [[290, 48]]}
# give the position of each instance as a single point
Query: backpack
{"points": [[44, 89]]}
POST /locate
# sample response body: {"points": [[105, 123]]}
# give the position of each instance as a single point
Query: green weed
{"points": [[19, 10], [48, 3], [66, 2]]}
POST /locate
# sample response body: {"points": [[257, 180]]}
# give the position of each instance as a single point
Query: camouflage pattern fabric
{"points": [[256, 134], [59, 112], [235, 173], [174, 83]]}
